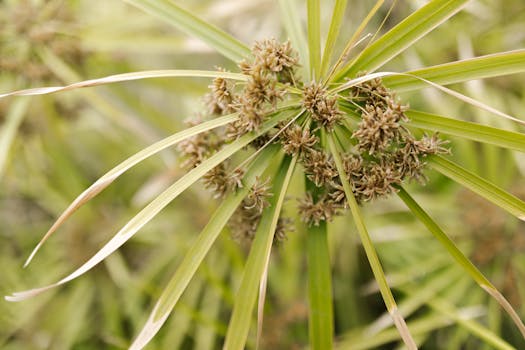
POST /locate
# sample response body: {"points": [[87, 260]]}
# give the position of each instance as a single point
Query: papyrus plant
{"points": [[333, 117]]}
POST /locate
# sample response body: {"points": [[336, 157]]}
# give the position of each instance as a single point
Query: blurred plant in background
{"points": [[77, 136]]}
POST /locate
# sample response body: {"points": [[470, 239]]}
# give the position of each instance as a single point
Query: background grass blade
{"points": [[410, 30], [183, 20], [495, 65], [108, 178], [468, 130], [154, 207], [195, 255], [314, 37], [168, 73], [321, 318], [370, 251], [9, 129], [461, 259], [294, 29], [484, 188], [240, 321], [333, 33]]}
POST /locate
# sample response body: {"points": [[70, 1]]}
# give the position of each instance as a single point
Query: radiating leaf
{"points": [[484, 188], [240, 321], [478, 104], [183, 20], [333, 33], [370, 251], [403, 35], [168, 73], [155, 206], [468, 130], [453, 250], [495, 65], [199, 249], [108, 178]]}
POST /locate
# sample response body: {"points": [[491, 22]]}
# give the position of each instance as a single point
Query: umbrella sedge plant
{"points": [[332, 117]]}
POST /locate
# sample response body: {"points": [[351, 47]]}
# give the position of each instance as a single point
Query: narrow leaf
{"points": [[169, 73], [403, 35], [472, 131], [321, 318], [264, 278], [257, 260], [154, 207], [197, 252], [460, 258], [495, 65], [354, 40], [292, 24], [484, 188], [314, 37], [370, 251], [108, 178], [333, 34], [459, 96], [183, 20]]}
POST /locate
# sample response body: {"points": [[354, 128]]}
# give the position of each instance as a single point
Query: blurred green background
{"points": [[53, 147]]}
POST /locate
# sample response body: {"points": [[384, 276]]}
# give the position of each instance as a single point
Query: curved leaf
{"points": [[460, 258], [495, 65], [108, 178], [172, 13], [484, 188], [168, 73], [257, 261], [195, 255], [468, 130], [154, 207], [370, 251]]}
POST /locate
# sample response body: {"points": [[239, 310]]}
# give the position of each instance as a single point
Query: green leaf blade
{"points": [[402, 36], [197, 252], [257, 261], [333, 33], [460, 258], [472, 131], [370, 251], [495, 65], [185, 21], [484, 188]]}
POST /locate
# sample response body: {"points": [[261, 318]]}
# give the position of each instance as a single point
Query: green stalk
{"points": [[321, 318]]}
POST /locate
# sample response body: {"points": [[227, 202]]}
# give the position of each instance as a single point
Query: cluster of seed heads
{"points": [[26, 28], [381, 152]]}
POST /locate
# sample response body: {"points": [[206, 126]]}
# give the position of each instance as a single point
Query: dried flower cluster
{"points": [[381, 153], [384, 153], [272, 68], [25, 28]]}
